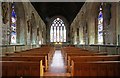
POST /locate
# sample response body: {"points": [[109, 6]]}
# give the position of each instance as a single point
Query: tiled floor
{"points": [[57, 66]]}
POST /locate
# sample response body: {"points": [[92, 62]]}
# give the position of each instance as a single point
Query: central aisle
{"points": [[57, 66]]}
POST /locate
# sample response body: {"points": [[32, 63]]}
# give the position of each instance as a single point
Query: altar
{"points": [[58, 45]]}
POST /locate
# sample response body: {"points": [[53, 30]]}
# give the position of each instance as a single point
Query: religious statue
{"points": [[28, 24], [5, 12]]}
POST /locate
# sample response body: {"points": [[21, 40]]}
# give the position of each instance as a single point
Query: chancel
{"points": [[59, 39]]}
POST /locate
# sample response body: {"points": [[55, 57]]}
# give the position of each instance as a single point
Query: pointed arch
{"points": [[58, 30]]}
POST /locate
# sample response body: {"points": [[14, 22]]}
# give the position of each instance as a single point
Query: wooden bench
{"points": [[89, 63], [69, 49], [72, 51], [96, 69], [35, 52], [28, 58], [21, 69], [94, 58], [91, 58], [82, 54]]}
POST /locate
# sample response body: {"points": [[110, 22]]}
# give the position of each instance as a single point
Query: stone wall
{"points": [[110, 49], [31, 30], [87, 23]]}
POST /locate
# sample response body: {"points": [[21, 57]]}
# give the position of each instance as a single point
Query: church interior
{"points": [[59, 39]]}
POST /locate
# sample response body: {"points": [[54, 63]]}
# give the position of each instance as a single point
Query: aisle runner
{"points": [[57, 64]]}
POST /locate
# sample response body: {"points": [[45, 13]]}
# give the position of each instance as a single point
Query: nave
{"points": [[67, 62], [87, 35]]}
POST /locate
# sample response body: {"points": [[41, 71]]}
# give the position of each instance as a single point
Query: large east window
{"points": [[58, 31]]}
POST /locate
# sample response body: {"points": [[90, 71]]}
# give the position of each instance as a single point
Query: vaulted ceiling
{"points": [[49, 9]]}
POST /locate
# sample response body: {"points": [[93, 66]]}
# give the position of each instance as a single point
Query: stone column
{"points": [[118, 23], [0, 32], [106, 25]]}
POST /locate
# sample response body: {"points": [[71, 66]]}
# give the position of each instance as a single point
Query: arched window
{"points": [[100, 25], [13, 25], [58, 31]]}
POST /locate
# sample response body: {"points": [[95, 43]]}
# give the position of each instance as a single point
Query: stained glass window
{"points": [[13, 25], [58, 31], [100, 26]]}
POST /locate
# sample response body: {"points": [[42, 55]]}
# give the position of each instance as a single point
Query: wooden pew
{"points": [[47, 57], [82, 54], [94, 58], [72, 51], [35, 52], [96, 69], [91, 58], [32, 55], [21, 69], [89, 63], [28, 58]]}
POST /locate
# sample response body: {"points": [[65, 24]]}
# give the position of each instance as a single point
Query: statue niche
{"points": [[28, 24], [5, 12]]}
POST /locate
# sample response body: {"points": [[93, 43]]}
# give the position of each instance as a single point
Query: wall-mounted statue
{"points": [[28, 24], [37, 31], [5, 12]]}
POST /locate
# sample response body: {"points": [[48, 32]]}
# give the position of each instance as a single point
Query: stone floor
{"points": [[57, 66]]}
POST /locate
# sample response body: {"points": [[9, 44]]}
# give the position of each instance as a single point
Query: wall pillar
{"points": [[0, 31], [118, 23]]}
